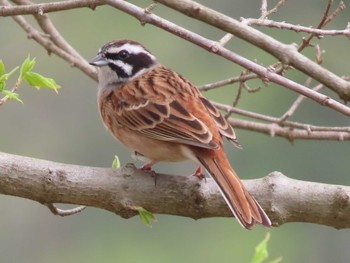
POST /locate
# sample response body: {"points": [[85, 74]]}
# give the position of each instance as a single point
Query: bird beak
{"points": [[98, 61]]}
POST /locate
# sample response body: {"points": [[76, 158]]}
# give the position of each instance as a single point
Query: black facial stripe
{"points": [[112, 56], [139, 61], [120, 72]]}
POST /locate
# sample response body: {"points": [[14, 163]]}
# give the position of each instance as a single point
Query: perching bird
{"points": [[163, 117]]}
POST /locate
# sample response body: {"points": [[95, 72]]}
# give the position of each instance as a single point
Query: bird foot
{"points": [[148, 169], [199, 173]]}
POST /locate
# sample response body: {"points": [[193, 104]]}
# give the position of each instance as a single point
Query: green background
{"points": [[67, 128]]}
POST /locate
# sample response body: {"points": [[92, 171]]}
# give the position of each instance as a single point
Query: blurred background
{"points": [[67, 128]]}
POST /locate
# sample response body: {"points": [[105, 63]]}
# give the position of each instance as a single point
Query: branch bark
{"points": [[117, 190], [48, 7]]}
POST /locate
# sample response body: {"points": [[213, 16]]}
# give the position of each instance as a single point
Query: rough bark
{"points": [[118, 190]]}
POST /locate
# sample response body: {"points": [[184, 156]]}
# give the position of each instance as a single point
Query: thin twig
{"points": [[221, 83], [274, 120], [296, 104], [263, 8], [14, 89], [65, 212], [324, 21], [43, 8], [275, 8], [290, 134], [341, 6], [225, 39], [296, 28]]}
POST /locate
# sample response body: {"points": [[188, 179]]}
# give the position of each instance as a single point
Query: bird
{"points": [[163, 117]]}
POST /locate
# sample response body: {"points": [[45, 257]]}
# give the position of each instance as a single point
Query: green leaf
{"points": [[38, 81], [261, 252], [5, 77], [116, 162], [2, 67], [145, 216], [26, 67], [12, 95]]}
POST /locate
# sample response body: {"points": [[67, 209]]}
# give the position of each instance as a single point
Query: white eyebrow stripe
{"points": [[132, 49]]}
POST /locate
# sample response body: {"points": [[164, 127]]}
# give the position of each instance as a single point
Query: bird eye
{"points": [[123, 54]]}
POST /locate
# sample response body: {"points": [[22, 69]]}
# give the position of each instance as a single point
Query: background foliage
{"points": [[67, 128]]}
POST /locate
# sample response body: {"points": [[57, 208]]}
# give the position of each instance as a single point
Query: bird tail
{"points": [[243, 206]]}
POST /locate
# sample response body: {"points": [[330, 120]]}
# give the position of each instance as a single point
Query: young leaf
{"points": [[5, 77], [26, 67], [38, 81], [145, 216], [12, 96], [261, 252], [2, 67], [116, 162]]}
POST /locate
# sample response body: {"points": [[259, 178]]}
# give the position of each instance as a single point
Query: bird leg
{"points": [[199, 173], [148, 167]]}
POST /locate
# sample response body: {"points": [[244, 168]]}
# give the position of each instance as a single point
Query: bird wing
{"points": [[224, 127], [157, 107]]}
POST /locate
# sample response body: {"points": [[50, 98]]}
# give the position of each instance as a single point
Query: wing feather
{"points": [[225, 128], [167, 122]]}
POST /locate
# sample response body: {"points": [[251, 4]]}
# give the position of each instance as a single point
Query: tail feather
{"points": [[244, 207]]}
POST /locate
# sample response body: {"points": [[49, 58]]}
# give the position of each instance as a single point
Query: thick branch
{"points": [[116, 190]]}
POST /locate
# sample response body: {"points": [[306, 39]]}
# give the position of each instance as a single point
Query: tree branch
{"points": [[308, 132], [280, 127], [42, 8], [296, 28], [116, 190], [287, 54]]}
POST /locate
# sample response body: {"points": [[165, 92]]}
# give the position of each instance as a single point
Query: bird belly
{"points": [[152, 149]]}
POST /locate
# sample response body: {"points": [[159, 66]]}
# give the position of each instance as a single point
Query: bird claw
{"points": [[148, 169], [199, 173]]}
